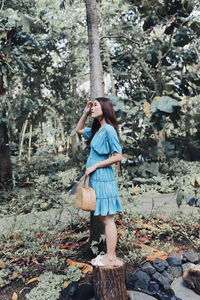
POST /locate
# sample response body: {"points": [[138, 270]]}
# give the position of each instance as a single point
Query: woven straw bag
{"points": [[85, 197]]}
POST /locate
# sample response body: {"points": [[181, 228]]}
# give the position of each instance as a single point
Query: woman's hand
{"points": [[88, 107], [90, 170]]}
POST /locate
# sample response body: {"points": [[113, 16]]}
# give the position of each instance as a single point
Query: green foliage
{"points": [[153, 178], [49, 287]]}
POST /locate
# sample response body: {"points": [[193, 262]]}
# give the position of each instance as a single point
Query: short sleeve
{"points": [[113, 140], [87, 133]]}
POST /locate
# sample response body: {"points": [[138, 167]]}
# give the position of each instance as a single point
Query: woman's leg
{"points": [[111, 241], [111, 236]]}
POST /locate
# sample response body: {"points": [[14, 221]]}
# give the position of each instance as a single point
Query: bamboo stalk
{"points": [[22, 138], [29, 142]]}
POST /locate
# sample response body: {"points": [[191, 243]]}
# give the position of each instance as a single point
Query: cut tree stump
{"points": [[109, 283]]}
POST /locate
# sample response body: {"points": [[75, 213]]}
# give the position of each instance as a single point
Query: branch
{"points": [[120, 37], [2, 4]]}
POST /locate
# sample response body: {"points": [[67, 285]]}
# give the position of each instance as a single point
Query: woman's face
{"points": [[96, 110]]}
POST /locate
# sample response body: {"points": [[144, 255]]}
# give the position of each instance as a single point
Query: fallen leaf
{"points": [[147, 226], [134, 191], [14, 296], [15, 274], [32, 280], [68, 246], [152, 253], [2, 265], [158, 254], [65, 284], [85, 268]]}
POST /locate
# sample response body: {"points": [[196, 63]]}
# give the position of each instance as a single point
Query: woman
{"points": [[105, 150]]}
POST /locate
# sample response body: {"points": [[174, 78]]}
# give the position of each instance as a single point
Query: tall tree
{"points": [[96, 71], [96, 87]]}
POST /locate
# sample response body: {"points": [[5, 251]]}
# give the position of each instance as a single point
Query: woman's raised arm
{"points": [[81, 123]]}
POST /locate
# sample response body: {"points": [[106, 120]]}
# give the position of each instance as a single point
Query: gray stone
{"points": [[191, 256], [148, 268], [162, 280], [168, 275], [192, 277], [153, 288], [159, 264], [182, 291], [138, 280], [175, 271], [174, 260], [137, 296], [167, 290], [186, 266]]}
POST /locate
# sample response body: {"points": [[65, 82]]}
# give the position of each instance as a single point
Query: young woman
{"points": [[105, 150]]}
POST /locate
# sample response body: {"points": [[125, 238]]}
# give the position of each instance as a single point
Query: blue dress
{"points": [[102, 180]]}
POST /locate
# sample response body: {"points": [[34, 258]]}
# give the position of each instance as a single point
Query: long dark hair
{"points": [[108, 115]]}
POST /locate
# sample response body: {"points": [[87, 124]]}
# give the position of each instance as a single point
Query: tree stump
{"points": [[109, 283]]}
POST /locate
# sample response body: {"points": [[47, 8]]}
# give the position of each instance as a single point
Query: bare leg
{"points": [[111, 241], [111, 236]]}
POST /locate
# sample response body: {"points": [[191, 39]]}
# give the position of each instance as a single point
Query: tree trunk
{"points": [[109, 283], [5, 160], [96, 88], [96, 71]]}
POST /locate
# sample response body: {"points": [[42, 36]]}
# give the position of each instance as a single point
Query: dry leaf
{"points": [[2, 265], [157, 254], [134, 191], [151, 252], [32, 280], [147, 226], [15, 274], [147, 109], [65, 284], [85, 268], [14, 296]]}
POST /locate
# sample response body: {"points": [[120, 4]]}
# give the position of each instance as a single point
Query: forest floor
{"points": [[146, 231]]}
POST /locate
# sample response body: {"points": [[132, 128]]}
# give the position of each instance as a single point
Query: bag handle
{"points": [[85, 181]]}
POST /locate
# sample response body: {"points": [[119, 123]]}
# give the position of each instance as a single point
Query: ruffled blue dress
{"points": [[102, 180]]}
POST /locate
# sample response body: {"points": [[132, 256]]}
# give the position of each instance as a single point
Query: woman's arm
{"points": [[81, 123], [116, 157]]}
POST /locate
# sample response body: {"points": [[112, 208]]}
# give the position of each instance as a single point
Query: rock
{"points": [[138, 280], [139, 296], [84, 292], [192, 277], [167, 275], [167, 290], [148, 268], [166, 297], [162, 280], [153, 288], [191, 256], [187, 266], [174, 260], [136, 296], [193, 202], [159, 264], [69, 292], [182, 291], [174, 271]]}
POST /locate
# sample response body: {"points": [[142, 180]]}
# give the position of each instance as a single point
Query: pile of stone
{"points": [[155, 277]]}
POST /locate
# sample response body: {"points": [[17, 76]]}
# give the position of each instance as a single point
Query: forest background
{"points": [[151, 64]]}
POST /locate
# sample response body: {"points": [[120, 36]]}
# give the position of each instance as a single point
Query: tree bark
{"points": [[96, 71], [109, 283], [5, 160], [96, 88]]}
